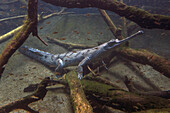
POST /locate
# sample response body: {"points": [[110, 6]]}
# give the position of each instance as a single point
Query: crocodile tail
{"points": [[41, 56]]}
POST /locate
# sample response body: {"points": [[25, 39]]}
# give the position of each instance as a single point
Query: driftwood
{"points": [[157, 62], [121, 99], [118, 98], [23, 102], [9, 34], [109, 22], [124, 27], [80, 103], [61, 12], [141, 56], [40, 19], [106, 93], [145, 57], [139, 16], [30, 26], [69, 46], [10, 18], [129, 84]]}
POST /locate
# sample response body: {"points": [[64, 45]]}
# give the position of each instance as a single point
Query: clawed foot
{"points": [[80, 75], [80, 72]]}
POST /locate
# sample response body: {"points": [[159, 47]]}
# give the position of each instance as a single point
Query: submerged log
{"points": [[130, 85], [23, 102], [121, 99], [139, 16], [145, 57], [80, 103], [106, 93], [69, 45]]}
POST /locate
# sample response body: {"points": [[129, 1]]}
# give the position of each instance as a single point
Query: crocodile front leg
{"points": [[80, 67], [59, 68]]}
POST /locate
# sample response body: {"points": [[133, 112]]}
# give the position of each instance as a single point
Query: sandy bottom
{"points": [[91, 30]]}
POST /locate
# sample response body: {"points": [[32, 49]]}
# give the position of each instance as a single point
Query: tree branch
{"points": [[139, 16], [80, 103], [14, 17], [30, 26], [129, 84], [23, 102], [121, 99], [69, 45], [145, 57], [11, 33]]}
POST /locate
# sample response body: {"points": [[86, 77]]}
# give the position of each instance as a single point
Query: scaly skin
{"points": [[74, 58]]}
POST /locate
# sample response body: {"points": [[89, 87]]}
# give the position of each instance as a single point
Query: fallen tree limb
{"points": [[129, 84], [115, 31], [11, 33], [106, 93], [139, 16], [23, 102], [120, 99], [14, 17], [33, 87], [30, 26], [80, 103], [69, 45], [110, 24], [102, 80], [145, 57]]}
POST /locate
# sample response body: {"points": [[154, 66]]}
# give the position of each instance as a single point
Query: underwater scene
{"points": [[84, 56]]}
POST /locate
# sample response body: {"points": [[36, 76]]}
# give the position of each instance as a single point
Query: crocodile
{"points": [[74, 58]]}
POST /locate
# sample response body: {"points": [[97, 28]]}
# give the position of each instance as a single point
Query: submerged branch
{"points": [[29, 27], [115, 31], [130, 85], [145, 57], [11, 33], [106, 93], [69, 45], [121, 99], [139, 16], [11, 18], [23, 102], [80, 103]]}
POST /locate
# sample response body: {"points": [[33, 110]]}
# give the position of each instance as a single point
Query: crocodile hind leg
{"points": [[80, 67]]}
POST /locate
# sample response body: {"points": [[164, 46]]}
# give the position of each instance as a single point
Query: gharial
{"points": [[80, 58]]}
